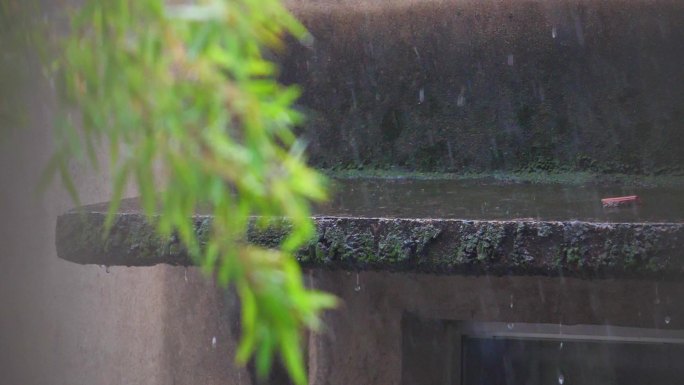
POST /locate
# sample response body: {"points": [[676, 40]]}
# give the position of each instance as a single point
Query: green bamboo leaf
{"points": [[185, 91], [290, 351], [264, 354], [120, 180], [249, 320], [68, 182]]}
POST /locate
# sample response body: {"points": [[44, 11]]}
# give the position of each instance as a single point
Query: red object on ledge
{"points": [[621, 201]]}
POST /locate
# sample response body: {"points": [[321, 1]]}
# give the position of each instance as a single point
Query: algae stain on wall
{"points": [[473, 86]]}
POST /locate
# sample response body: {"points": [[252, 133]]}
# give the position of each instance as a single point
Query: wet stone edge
{"points": [[442, 246]]}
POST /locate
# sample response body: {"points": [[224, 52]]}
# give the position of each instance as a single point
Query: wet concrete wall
{"points": [[364, 340], [64, 323], [479, 85]]}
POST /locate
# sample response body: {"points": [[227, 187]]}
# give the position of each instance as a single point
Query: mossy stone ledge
{"points": [[442, 246]]}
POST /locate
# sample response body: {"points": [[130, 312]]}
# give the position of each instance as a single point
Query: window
{"points": [[493, 353]]}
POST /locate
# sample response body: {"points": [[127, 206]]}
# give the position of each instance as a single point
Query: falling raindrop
{"points": [[358, 285], [213, 342], [510, 60], [353, 98], [561, 378], [421, 95], [657, 299], [460, 102], [560, 346], [667, 320], [185, 273], [451, 154], [579, 31], [510, 326], [511, 305], [554, 32]]}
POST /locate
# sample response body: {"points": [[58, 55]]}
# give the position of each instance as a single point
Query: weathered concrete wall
{"points": [[362, 342], [472, 85], [64, 323]]}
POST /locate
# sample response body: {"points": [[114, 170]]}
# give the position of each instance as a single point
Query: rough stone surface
{"points": [[420, 245]]}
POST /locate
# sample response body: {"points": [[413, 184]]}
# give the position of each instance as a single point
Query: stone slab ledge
{"points": [[443, 246]]}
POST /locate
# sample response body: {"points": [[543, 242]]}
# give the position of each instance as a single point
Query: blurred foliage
{"points": [[189, 110]]}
